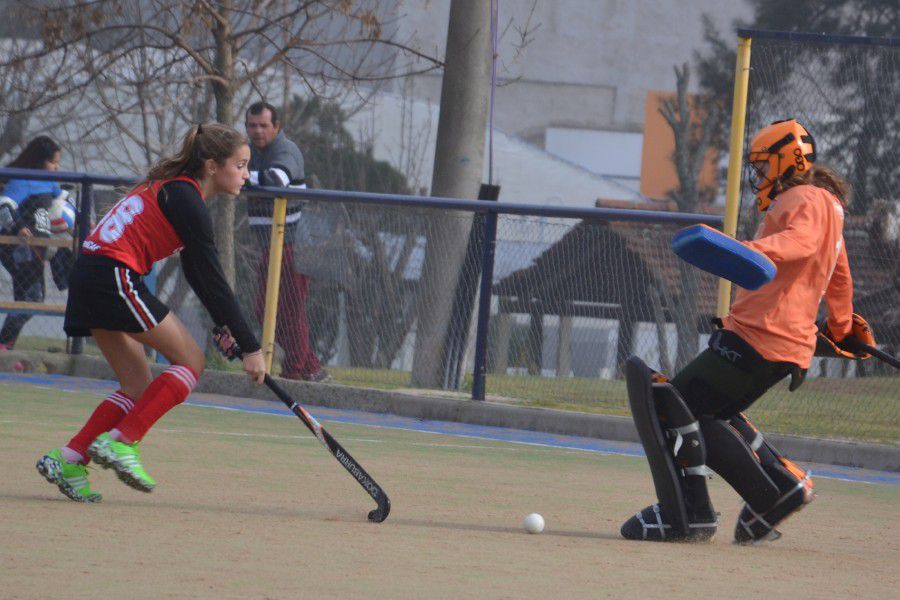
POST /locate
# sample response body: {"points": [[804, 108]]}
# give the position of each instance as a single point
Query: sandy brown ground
{"points": [[252, 507]]}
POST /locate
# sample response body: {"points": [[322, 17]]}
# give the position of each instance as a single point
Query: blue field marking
{"points": [[64, 382], [485, 432]]}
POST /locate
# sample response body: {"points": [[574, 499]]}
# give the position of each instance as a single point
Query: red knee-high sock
{"points": [[106, 416], [164, 393]]}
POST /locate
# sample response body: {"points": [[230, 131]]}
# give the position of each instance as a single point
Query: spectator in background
{"points": [[24, 212], [277, 161]]}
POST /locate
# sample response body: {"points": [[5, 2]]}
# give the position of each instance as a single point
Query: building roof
{"points": [[608, 264], [604, 269]]}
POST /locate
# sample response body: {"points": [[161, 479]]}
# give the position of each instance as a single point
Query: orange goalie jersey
{"points": [[802, 233]]}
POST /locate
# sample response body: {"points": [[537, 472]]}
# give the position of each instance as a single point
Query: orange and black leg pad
{"points": [[736, 461], [676, 452], [795, 488]]}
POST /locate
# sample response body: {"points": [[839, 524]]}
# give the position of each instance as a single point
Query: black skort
{"points": [[107, 294]]}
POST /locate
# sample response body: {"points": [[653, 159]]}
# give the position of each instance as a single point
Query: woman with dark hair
{"points": [[37, 154], [24, 212], [108, 300]]}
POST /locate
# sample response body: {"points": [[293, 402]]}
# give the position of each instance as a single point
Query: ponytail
{"points": [[201, 143], [822, 177]]}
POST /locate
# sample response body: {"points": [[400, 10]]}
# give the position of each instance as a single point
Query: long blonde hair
{"points": [[819, 176], [201, 143]]}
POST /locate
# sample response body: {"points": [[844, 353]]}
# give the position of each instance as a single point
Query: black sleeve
{"points": [[182, 205]]}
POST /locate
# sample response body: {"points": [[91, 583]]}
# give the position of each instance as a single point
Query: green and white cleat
{"points": [[125, 459], [50, 465], [70, 478]]}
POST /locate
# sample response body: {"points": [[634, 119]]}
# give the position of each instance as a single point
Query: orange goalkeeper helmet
{"points": [[777, 153]]}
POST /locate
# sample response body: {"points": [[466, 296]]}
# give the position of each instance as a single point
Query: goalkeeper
{"points": [[769, 334]]}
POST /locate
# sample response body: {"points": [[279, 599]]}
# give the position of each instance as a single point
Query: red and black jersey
{"points": [[156, 220], [135, 231]]}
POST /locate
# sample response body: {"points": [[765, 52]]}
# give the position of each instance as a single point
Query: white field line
{"points": [[58, 389], [311, 438], [454, 434], [362, 440]]}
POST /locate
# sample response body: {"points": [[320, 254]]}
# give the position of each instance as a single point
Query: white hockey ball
{"points": [[534, 523]]}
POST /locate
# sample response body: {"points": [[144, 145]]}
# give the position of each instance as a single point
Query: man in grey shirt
{"points": [[277, 161]]}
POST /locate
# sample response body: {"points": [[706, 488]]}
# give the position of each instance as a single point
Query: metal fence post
{"points": [[85, 209], [464, 299], [484, 305]]}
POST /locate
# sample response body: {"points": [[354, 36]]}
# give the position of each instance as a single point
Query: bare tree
{"points": [[458, 170], [12, 133], [694, 126], [26, 85], [217, 50]]}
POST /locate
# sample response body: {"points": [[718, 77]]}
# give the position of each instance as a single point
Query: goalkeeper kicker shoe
{"points": [[71, 478], [124, 458], [653, 524], [753, 527]]}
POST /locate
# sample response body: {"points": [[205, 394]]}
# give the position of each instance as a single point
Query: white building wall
{"points": [[525, 172], [588, 64]]}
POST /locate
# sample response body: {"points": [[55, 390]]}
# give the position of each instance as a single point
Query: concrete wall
{"points": [[588, 64], [525, 172]]}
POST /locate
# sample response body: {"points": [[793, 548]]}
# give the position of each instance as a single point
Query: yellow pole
{"points": [[735, 153], [273, 281]]}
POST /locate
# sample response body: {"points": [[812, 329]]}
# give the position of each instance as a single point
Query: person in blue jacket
{"points": [[24, 212]]}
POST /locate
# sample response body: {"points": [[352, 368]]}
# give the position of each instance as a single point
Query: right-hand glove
{"points": [[848, 347]]}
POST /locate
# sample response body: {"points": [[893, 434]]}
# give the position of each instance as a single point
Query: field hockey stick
{"points": [[376, 515], [858, 346], [883, 356], [362, 477]]}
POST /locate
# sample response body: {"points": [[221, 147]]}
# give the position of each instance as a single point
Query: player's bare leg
{"points": [[120, 448]]}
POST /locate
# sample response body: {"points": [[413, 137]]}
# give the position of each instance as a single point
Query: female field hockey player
{"points": [[108, 300], [770, 333]]}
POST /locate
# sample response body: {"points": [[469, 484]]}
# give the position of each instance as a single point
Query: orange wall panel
{"points": [[658, 175]]}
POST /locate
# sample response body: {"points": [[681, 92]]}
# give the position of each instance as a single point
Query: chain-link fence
{"points": [[575, 298], [613, 288], [845, 91], [570, 298], [39, 233]]}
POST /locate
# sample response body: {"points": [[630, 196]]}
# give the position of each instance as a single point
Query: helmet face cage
{"points": [[757, 175], [762, 181], [782, 139]]}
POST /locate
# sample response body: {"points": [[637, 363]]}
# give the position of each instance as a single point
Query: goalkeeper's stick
{"points": [[858, 346], [378, 514], [882, 355]]}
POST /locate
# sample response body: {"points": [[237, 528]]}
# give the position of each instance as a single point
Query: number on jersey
{"points": [[122, 214]]}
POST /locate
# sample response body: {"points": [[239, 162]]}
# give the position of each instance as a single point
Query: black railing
{"points": [[490, 208]]}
